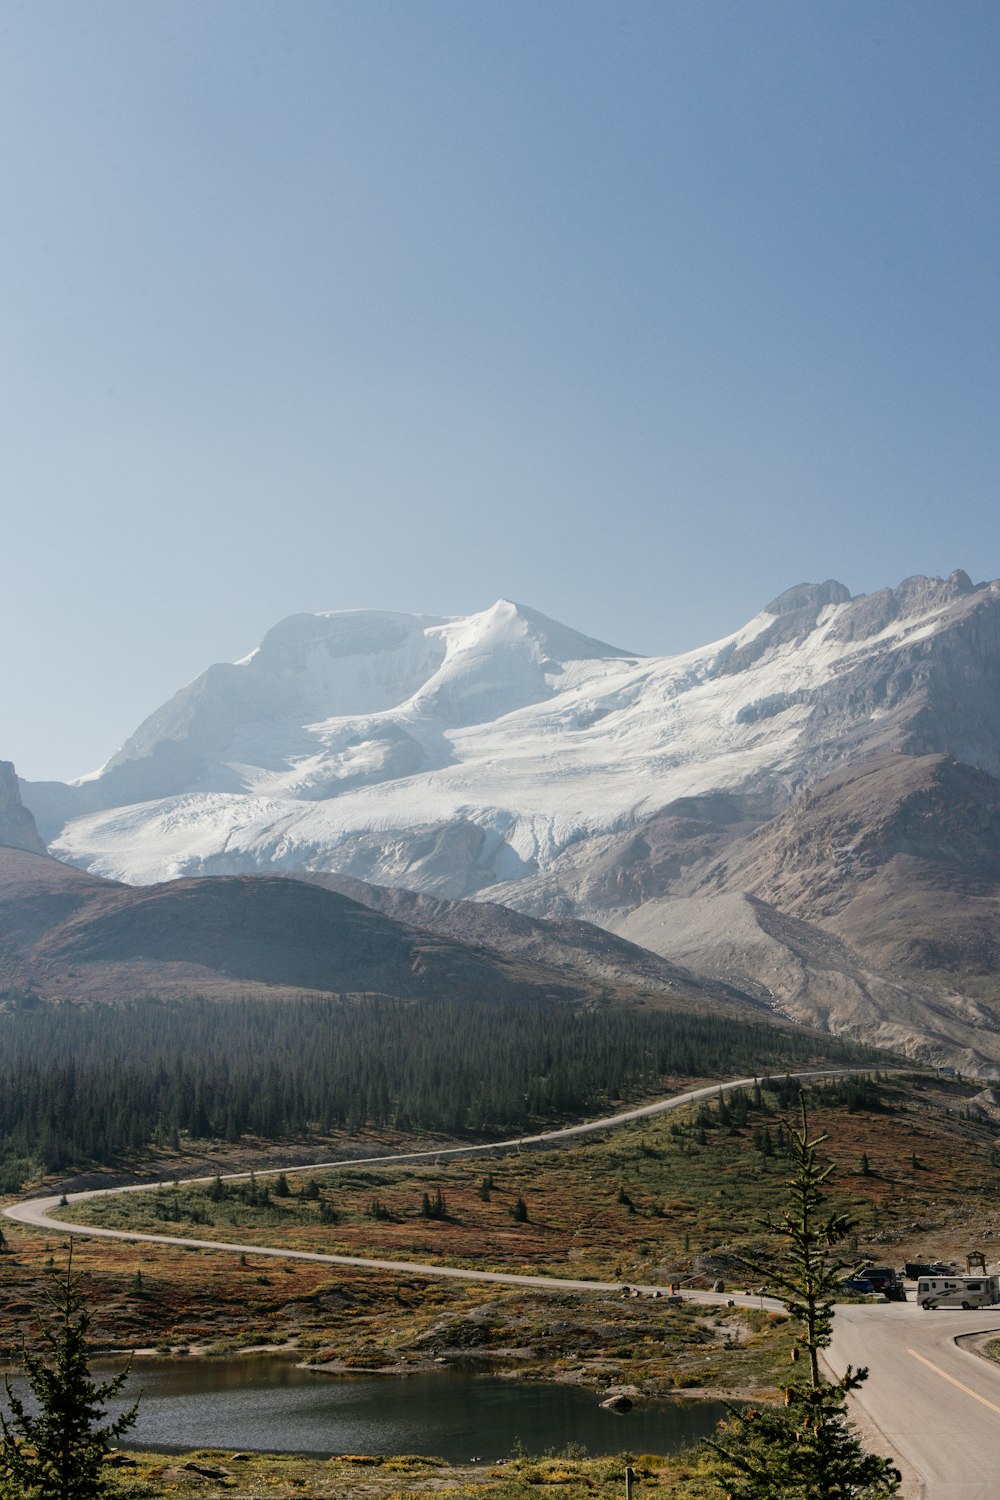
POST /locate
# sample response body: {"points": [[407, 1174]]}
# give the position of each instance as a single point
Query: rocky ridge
{"points": [[805, 811], [17, 826]]}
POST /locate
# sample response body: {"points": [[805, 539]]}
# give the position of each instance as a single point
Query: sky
{"points": [[636, 312]]}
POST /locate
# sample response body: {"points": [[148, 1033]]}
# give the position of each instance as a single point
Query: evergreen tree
{"points": [[806, 1450], [81, 1084], [59, 1453]]}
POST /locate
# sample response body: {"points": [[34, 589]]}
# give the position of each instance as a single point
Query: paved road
{"points": [[937, 1403], [38, 1211]]}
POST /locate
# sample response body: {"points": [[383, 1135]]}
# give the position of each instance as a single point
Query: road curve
{"points": [[37, 1212], [937, 1404]]}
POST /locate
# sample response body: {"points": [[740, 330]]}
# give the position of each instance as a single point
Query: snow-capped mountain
{"points": [[452, 755], [807, 812]]}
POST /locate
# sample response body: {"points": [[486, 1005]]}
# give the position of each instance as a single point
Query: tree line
{"points": [[98, 1083]]}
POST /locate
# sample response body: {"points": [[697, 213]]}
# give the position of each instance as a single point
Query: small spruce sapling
{"points": [[805, 1450], [58, 1452]]}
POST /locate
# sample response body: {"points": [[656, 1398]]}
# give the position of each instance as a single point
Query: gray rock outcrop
{"points": [[17, 826]]}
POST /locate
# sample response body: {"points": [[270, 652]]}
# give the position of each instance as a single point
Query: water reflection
{"points": [[268, 1404]]}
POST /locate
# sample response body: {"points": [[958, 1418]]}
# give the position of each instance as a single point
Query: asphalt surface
{"points": [[38, 1211], [936, 1403]]}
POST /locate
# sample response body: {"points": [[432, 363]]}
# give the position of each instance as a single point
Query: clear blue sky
{"points": [[638, 313]]}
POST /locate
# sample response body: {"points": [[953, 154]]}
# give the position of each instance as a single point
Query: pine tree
{"points": [[806, 1450], [59, 1453]]}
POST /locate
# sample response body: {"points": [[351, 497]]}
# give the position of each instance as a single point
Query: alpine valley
{"points": [[802, 818]]}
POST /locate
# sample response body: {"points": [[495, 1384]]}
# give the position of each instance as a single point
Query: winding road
{"points": [[935, 1403], [37, 1212]]}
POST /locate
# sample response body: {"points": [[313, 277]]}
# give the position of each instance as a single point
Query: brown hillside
{"points": [[66, 933]]}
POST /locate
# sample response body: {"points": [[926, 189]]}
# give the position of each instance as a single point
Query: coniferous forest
{"points": [[97, 1084]]}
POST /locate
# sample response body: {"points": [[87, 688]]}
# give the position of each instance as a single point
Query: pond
{"points": [[268, 1404]]}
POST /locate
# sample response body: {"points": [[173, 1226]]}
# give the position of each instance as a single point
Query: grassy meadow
{"points": [[676, 1198]]}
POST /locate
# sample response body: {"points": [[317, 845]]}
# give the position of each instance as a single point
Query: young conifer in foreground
{"points": [[58, 1452], [807, 1449]]}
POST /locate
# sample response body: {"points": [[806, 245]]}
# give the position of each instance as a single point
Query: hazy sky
{"points": [[638, 313]]}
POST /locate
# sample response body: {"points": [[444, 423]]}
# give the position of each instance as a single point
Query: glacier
{"points": [[452, 754]]}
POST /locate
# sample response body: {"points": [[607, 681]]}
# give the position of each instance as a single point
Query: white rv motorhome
{"points": [[958, 1291]]}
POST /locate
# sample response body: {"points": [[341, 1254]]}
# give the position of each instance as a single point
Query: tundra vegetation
{"points": [[667, 1199], [804, 1449], [57, 1448], [106, 1084]]}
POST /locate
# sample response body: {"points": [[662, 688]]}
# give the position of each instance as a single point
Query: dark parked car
{"points": [[858, 1285], [882, 1279]]}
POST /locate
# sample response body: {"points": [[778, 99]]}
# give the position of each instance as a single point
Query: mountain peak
{"points": [[475, 749], [808, 596], [517, 621], [294, 642], [17, 826]]}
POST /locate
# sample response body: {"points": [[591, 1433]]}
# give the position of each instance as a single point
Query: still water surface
{"points": [[266, 1403]]}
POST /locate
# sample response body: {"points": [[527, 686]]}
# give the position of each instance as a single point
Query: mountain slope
{"points": [[17, 826], [577, 948], [73, 935], [871, 905], [900, 857], [463, 755]]}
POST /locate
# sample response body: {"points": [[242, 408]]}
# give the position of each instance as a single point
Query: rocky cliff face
{"points": [[808, 809], [378, 745], [871, 905], [17, 826]]}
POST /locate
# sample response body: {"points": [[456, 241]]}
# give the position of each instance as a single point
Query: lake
{"points": [[265, 1403]]}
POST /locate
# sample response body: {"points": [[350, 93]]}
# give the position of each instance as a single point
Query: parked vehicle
{"points": [[883, 1279], [914, 1269], [958, 1291]]}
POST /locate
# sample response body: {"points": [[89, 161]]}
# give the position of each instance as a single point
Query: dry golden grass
{"points": [[646, 1204]]}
